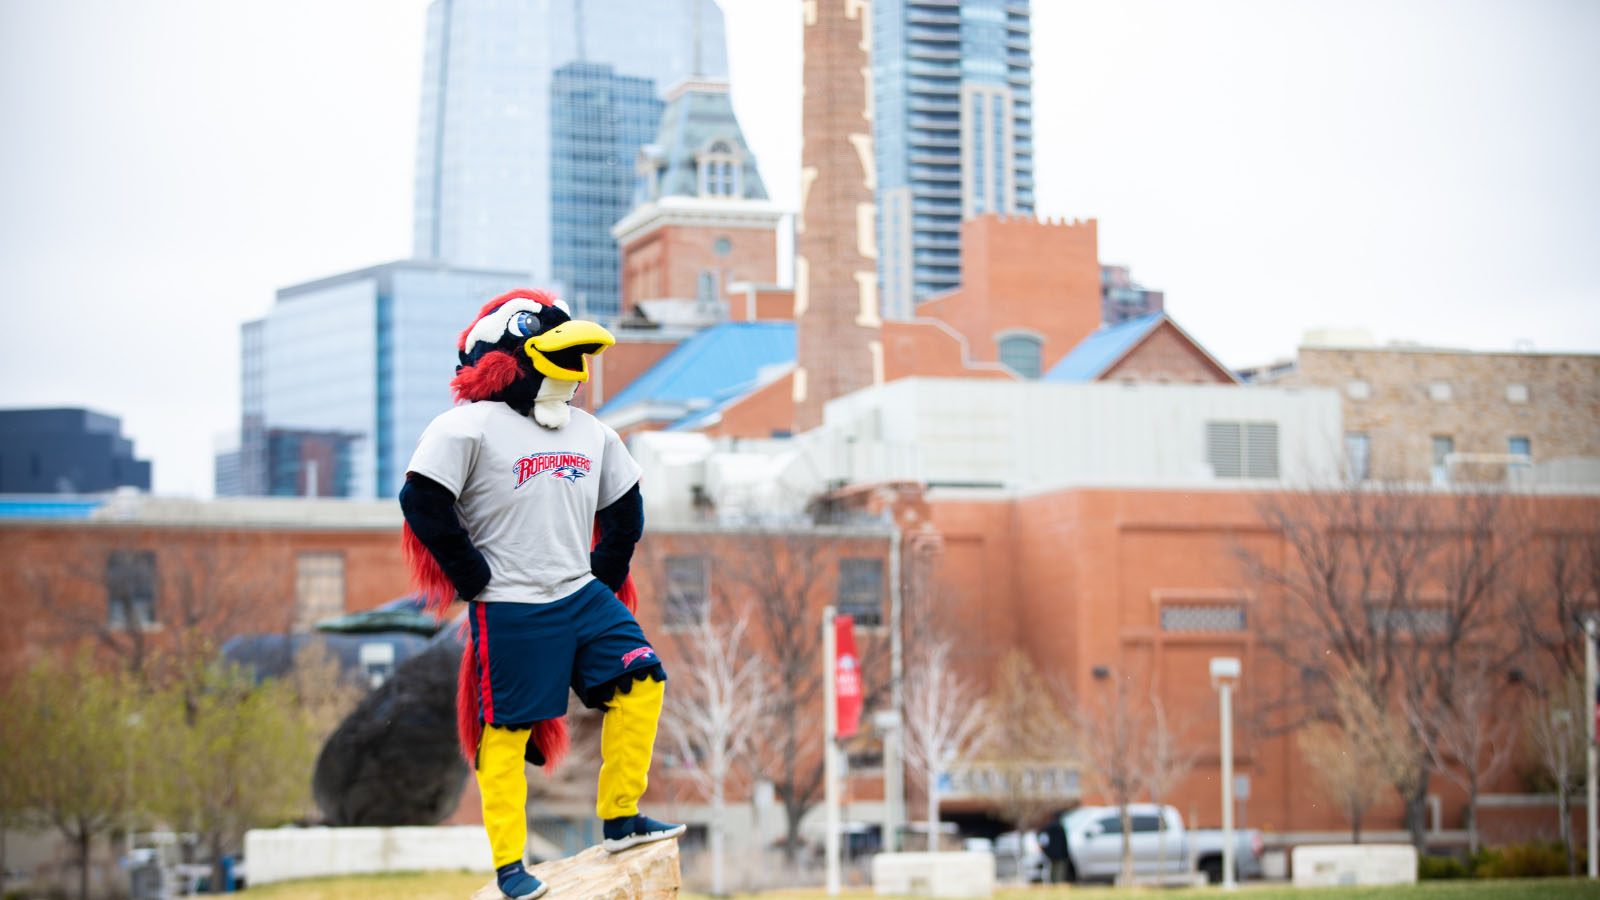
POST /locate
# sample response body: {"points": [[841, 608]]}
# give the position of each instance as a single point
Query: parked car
{"points": [[1160, 844]]}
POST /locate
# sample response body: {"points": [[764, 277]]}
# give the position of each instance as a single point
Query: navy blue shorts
{"points": [[529, 654]]}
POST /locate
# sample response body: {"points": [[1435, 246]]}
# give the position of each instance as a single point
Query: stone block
{"points": [[646, 872], [1348, 865], [933, 874]]}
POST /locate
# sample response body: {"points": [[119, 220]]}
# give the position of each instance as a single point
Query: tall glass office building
{"points": [[483, 177], [599, 120], [953, 121], [343, 373]]}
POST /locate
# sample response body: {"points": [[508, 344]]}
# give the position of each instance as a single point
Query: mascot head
{"points": [[525, 350]]}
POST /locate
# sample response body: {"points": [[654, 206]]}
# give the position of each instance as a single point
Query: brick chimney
{"points": [[837, 328]]}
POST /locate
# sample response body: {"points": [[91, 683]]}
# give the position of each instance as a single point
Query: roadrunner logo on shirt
{"points": [[566, 466]]}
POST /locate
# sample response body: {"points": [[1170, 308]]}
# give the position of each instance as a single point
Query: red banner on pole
{"points": [[846, 675]]}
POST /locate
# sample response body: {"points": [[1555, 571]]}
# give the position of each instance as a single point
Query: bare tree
{"points": [[943, 720], [1344, 756], [1404, 587], [1114, 740], [1467, 739], [1026, 730], [1339, 760], [1559, 588], [1166, 759], [715, 717], [1558, 732], [779, 577]]}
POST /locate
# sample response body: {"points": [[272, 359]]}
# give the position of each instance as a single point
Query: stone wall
{"points": [[1401, 398]]}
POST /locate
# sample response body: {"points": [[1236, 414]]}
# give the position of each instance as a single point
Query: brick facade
{"points": [[836, 277], [666, 262], [1401, 398], [1167, 355], [1021, 274]]}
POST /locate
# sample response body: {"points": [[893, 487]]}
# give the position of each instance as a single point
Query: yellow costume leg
{"points": [[627, 738], [503, 782]]}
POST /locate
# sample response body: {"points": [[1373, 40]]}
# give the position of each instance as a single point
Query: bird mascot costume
{"points": [[529, 510]]}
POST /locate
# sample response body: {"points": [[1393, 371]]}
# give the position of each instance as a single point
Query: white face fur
{"points": [[496, 325]]}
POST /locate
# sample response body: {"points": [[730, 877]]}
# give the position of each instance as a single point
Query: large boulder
{"points": [[394, 760]]}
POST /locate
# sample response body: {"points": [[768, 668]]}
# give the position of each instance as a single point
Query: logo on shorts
{"points": [[633, 656], [568, 467]]}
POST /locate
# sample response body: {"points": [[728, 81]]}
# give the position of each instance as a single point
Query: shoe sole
{"points": [[634, 840], [543, 889]]}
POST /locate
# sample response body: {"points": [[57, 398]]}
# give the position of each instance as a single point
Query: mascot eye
{"points": [[523, 324]]}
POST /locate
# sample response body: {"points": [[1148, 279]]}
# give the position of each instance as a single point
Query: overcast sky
{"points": [[1425, 169]]}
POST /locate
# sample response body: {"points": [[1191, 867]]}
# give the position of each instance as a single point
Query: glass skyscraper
{"points": [[952, 85], [483, 177], [343, 373], [599, 120]]}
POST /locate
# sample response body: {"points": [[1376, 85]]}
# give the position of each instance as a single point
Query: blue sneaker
{"points": [[630, 831], [516, 883]]}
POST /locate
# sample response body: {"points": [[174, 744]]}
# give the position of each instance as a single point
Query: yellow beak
{"points": [[580, 339]]}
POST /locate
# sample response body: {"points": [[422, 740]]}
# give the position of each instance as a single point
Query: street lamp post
{"points": [[1224, 675], [1590, 724], [830, 754]]}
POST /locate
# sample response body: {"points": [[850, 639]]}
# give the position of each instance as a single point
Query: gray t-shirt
{"points": [[526, 494]]}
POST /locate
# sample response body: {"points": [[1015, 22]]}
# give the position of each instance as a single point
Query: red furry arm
{"points": [[427, 579], [444, 563]]}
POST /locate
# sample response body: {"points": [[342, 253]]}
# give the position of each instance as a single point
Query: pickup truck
{"points": [[1094, 845]]}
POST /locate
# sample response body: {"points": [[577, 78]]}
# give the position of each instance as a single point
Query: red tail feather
{"points": [[550, 736], [427, 579], [469, 728]]}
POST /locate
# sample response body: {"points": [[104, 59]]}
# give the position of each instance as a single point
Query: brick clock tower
{"points": [[838, 331]]}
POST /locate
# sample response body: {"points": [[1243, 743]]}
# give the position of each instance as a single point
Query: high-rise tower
{"points": [[483, 178], [953, 86], [599, 121]]}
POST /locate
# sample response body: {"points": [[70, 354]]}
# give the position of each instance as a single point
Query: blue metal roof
{"points": [[717, 365], [1097, 352], [25, 507]]}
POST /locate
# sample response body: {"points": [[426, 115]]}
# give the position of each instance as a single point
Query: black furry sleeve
{"points": [[430, 510], [621, 526]]}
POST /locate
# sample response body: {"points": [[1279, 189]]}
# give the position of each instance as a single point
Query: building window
{"points": [[318, 588], [706, 287], [1443, 447], [1413, 621], [1192, 618], [1358, 455], [131, 589], [1358, 389], [1242, 449], [861, 590], [1516, 393], [722, 246], [1440, 392], [1518, 445], [687, 590], [719, 171], [1022, 352]]}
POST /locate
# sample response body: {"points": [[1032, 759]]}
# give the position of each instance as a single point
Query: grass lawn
{"points": [[460, 885]]}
